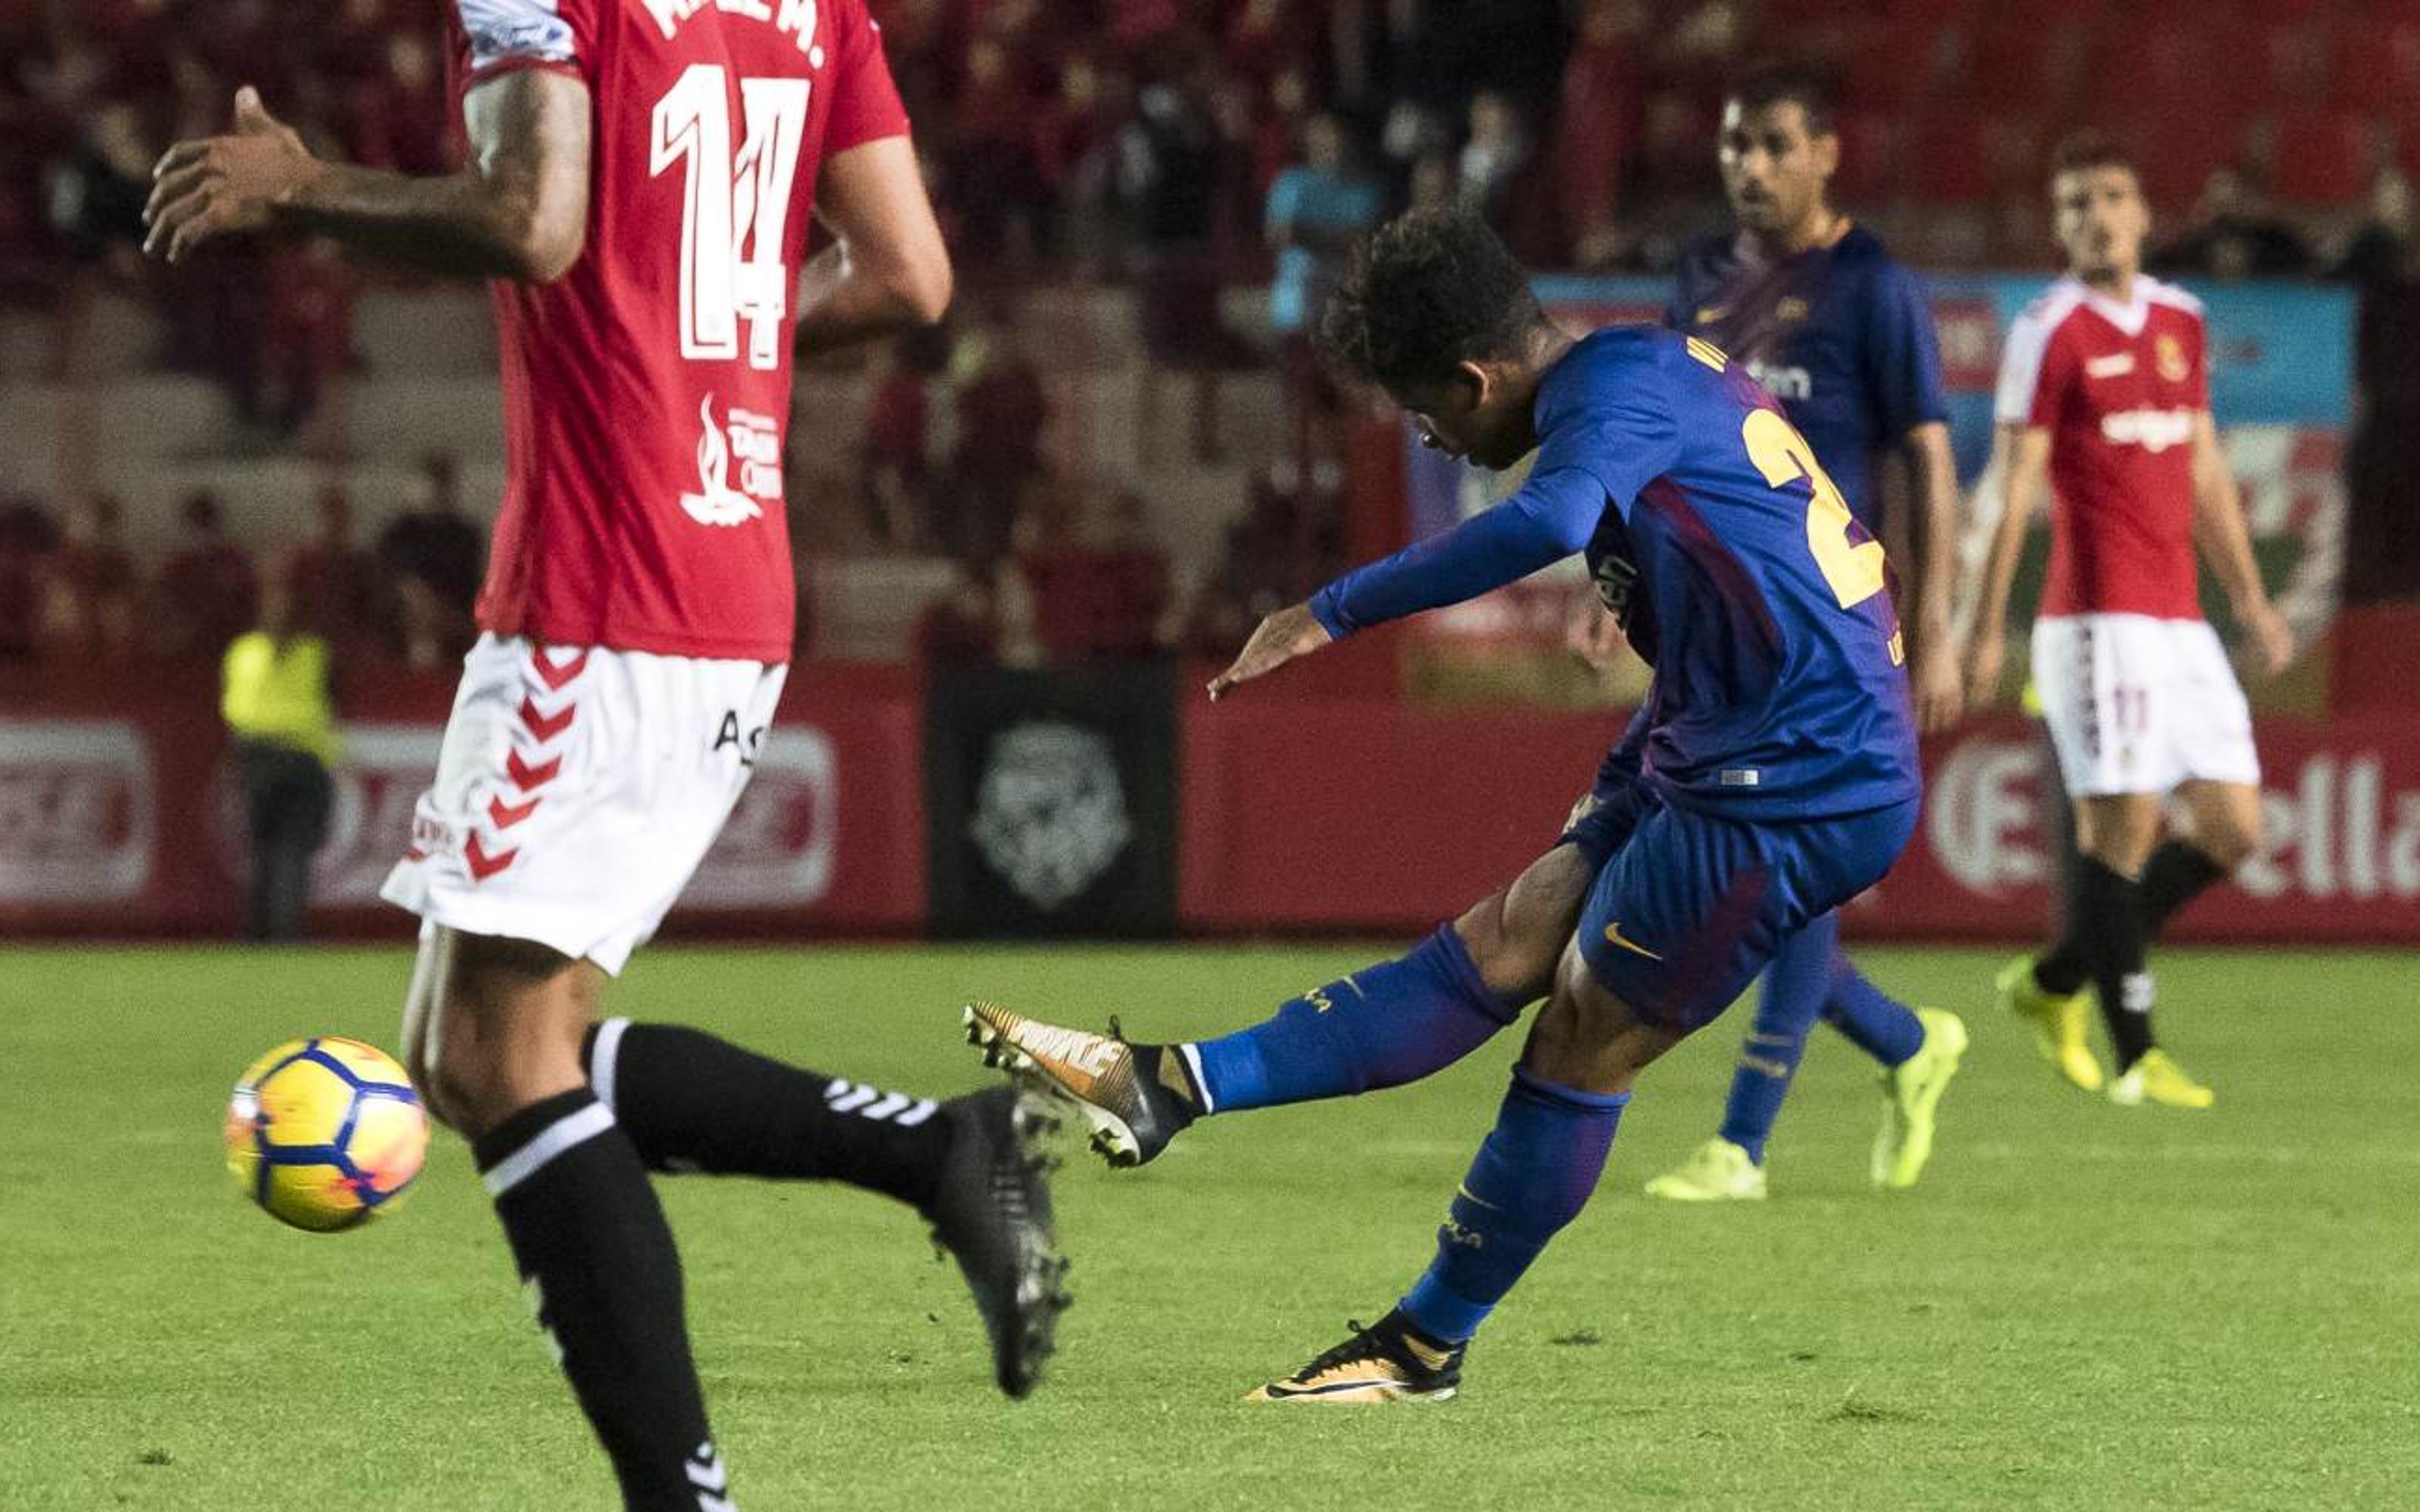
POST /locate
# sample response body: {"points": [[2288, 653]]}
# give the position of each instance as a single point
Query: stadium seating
{"points": [[2374, 62], [2318, 157]]}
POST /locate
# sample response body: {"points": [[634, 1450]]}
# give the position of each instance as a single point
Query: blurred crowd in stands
{"points": [[72, 593], [1144, 138], [1178, 148]]}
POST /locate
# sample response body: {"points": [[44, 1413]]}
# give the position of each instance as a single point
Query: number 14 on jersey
{"points": [[736, 212]]}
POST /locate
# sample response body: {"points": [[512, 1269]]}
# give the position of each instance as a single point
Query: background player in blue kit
{"points": [[1841, 334], [1775, 772]]}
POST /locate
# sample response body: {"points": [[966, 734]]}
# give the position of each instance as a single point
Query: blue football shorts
{"points": [[1687, 907]]}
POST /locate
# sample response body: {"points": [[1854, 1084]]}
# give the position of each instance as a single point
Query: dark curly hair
{"points": [[1426, 293]]}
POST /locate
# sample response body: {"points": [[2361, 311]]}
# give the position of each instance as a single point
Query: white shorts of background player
{"points": [[2138, 705]]}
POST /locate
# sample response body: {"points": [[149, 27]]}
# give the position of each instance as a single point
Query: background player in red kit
{"points": [[642, 176], [2104, 390]]}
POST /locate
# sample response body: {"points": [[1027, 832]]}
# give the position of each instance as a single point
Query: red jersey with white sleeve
{"points": [[2119, 388], [647, 392]]}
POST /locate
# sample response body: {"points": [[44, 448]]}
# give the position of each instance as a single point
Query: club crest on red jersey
{"points": [[2169, 353]]}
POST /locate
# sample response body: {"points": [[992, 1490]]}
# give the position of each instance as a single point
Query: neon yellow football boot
{"points": [[2155, 1078], [2059, 1023], [1715, 1171], [1911, 1095]]}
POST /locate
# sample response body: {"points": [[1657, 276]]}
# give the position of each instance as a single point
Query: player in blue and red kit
{"points": [[1841, 334], [1775, 771]]}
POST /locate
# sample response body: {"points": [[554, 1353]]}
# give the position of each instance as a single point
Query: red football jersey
{"points": [[2119, 388], [647, 392]]}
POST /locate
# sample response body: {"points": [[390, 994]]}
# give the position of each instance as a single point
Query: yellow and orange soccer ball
{"points": [[325, 1134]]}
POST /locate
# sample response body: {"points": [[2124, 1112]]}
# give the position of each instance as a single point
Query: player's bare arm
{"points": [[1932, 538], [886, 270], [1283, 636], [518, 211], [2227, 545], [2020, 461]]}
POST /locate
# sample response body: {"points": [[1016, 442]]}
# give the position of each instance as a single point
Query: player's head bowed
{"points": [[1435, 310]]}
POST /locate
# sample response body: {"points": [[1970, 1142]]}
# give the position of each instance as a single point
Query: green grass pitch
{"points": [[2082, 1307]]}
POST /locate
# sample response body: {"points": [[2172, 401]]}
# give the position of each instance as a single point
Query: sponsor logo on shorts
{"points": [[1613, 935]]}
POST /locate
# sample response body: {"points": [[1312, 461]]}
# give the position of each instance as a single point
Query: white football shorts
{"points": [[577, 790], [2138, 705]]}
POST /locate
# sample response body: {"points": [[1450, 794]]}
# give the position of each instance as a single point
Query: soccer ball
{"points": [[325, 1134]]}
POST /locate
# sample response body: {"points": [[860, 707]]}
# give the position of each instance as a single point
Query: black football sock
{"points": [[2111, 907], [2064, 968], [598, 1267], [2177, 874], [693, 1102]]}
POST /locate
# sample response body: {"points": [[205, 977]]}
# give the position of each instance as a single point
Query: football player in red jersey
{"points": [[641, 180], [2105, 395]]}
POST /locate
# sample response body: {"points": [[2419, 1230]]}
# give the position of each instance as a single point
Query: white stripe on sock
{"points": [[925, 1107], [707, 1475], [1200, 1082], [604, 1056], [856, 1097], [891, 1103], [549, 1142]]}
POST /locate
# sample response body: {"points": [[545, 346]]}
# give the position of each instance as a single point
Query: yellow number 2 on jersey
{"points": [[1854, 571]]}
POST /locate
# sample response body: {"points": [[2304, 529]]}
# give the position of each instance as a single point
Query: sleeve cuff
{"points": [[857, 137], [487, 73], [1326, 609]]}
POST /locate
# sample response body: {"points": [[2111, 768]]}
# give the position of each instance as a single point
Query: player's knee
{"points": [[2229, 845], [1588, 1038], [507, 1032], [1516, 937], [478, 1081]]}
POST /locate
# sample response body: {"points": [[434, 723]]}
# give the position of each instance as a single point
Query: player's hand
{"points": [[1984, 652], [223, 185], [1291, 632], [2271, 639], [1939, 694]]}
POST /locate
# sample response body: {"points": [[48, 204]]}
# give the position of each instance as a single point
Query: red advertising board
{"points": [[1318, 814], [1318, 808], [115, 814], [2339, 860]]}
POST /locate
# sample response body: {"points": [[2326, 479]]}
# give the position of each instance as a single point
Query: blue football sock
{"points": [[1532, 1176], [1788, 1003], [1876, 1022], [1382, 1026]]}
